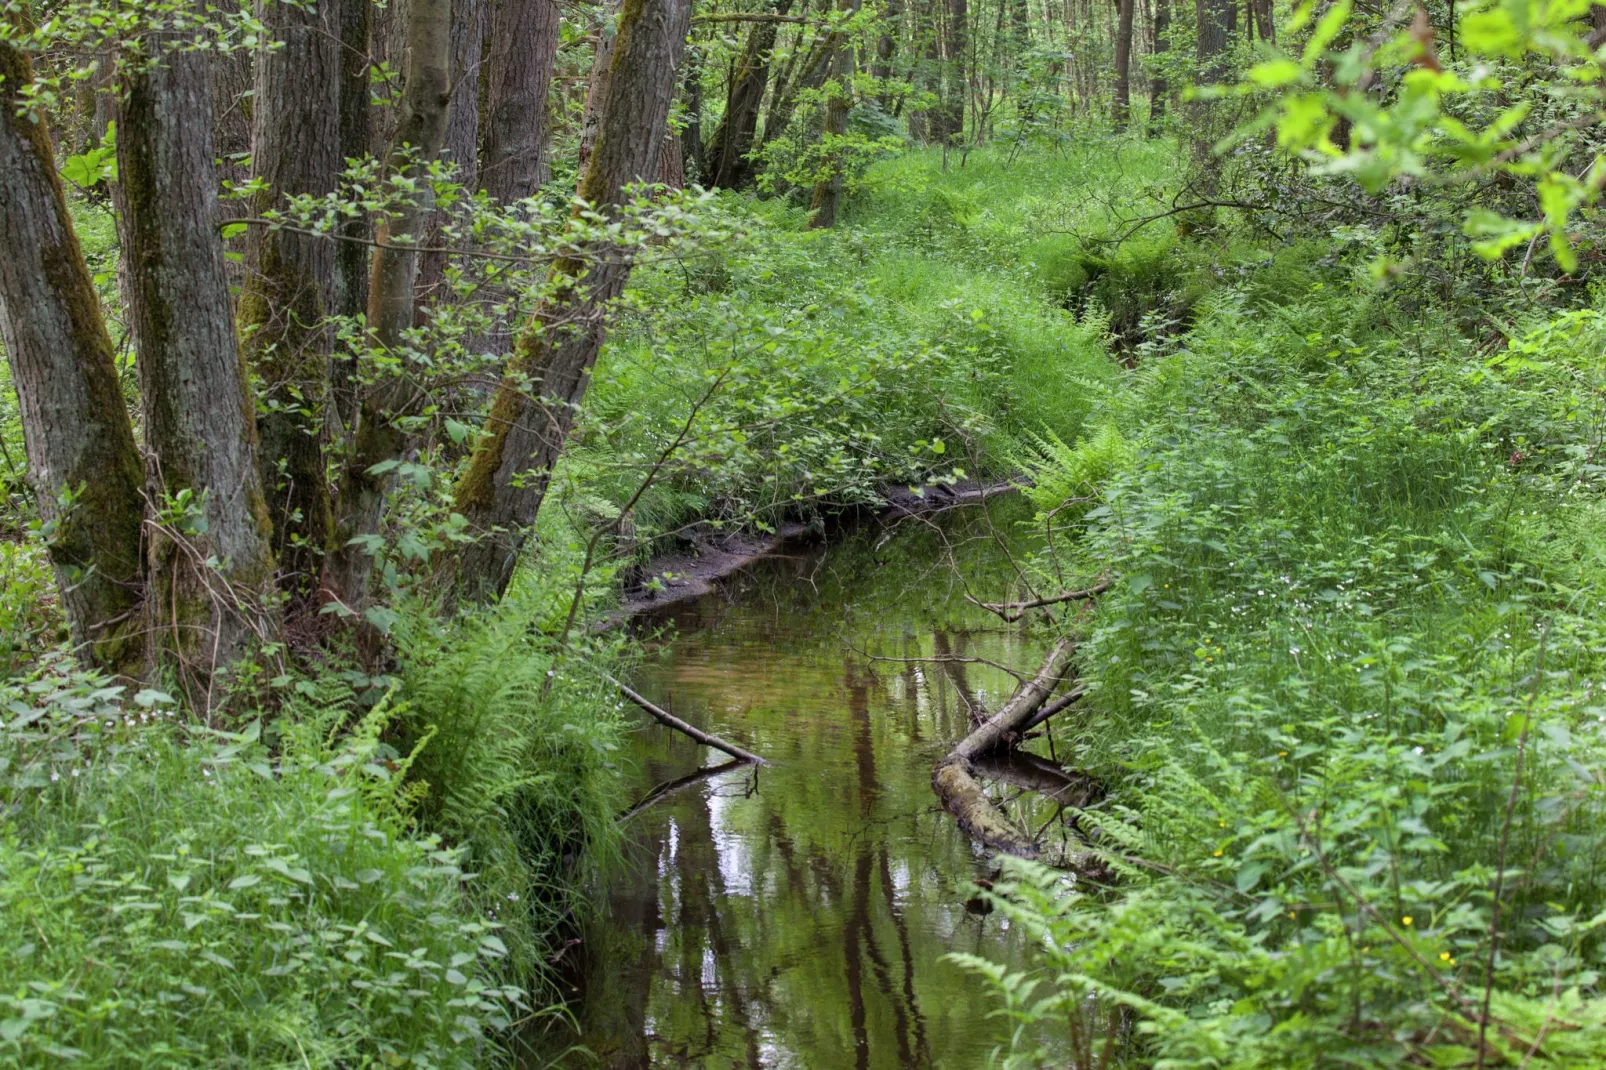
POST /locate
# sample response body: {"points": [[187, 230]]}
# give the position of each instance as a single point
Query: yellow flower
{"points": [[1444, 956], [1218, 853], [1406, 920]]}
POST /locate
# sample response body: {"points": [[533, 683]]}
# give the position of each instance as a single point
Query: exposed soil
{"points": [[693, 571]]}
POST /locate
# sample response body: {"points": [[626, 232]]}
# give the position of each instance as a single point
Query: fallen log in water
{"points": [[954, 779], [669, 720]]}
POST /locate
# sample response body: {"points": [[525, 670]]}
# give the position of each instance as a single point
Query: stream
{"points": [[799, 914]]}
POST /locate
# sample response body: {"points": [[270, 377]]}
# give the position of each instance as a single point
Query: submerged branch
{"points": [[669, 720], [954, 778]]}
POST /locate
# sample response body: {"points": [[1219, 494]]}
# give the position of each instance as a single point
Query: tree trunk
{"points": [[1264, 24], [523, 53], [729, 167], [1157, 85], [886, 49], [501, 493], [211, 563], [459, 145], [419, 134], [82, 462], [1214, 22], [693, 160], [827, 196], [296, 150], [956, 87], [351, 254], [809, 74], [1122, 110]]}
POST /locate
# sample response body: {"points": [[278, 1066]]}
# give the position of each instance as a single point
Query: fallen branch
{"points": [[1054, 707], [669, 720], [954, 778], [1014, 611]]}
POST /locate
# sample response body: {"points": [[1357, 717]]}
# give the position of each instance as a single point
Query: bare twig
{"points": [[1014, 611]]}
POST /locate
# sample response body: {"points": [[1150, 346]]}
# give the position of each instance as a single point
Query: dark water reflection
{"points": [[798, 915]]}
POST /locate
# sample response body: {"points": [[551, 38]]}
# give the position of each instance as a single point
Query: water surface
{"points": [[798, 915]]}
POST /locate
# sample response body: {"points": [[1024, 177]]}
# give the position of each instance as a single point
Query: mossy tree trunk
{"points": [[827, 196], [82, 461], [417, 141], [529, 421], [728, 165], [290, 281], [523, 52], [211, 562]]}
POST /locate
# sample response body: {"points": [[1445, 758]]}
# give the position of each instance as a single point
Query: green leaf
{"points": [[1276, 73]]}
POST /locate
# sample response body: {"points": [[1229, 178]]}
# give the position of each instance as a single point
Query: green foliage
{"points": [[1447, 120], [207, 900], [1345, 695]]}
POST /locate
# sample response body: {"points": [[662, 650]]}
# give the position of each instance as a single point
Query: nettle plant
{"points": [[1508, 95]]}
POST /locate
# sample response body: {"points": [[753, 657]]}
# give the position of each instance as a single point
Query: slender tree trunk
{"points": [[729, 167], [827, 196], [211, 562], [886, 50], [351, 255], [1122, 111], [82, 462], [809, 74], [502, 492], [693, 160], [596, 96], [1263, 21], [418, 138], [523, 54], [459, 145], [1157, 85], [1214, 21], [957, 86], [296, 150]]}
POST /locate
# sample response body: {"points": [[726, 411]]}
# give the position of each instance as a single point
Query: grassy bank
{"points": [[1346, 690]]}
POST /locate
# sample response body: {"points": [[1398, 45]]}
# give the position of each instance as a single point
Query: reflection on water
{"points": [[798, 915]]}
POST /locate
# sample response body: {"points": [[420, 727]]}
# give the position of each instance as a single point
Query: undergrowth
{"points": [[1346, 694]]}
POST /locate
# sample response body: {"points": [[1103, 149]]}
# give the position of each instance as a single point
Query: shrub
{"points": [[169, 900]]}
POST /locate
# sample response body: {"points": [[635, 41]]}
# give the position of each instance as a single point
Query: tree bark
{"points": [[523, 54], [729, 167], [1157, 84], [693, 160], [211, 565], [419, 134], [596, 96], [83, 464], [459, 145], [827, 196], [1214, 23], [886, 49], [957, 85], [291, 281], [502, 492], [1122, 109]]}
